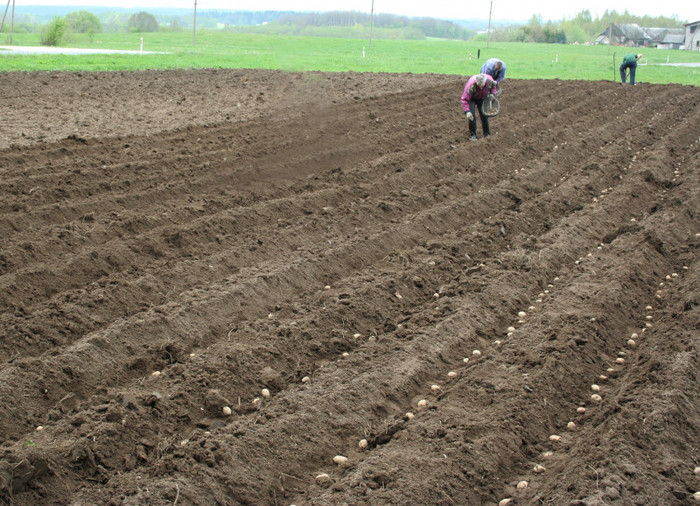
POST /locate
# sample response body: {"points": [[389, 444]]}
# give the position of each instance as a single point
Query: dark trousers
{"points": [[632, 65], [478, 104]]}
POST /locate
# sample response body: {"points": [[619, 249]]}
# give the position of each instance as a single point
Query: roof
{"points": [[666, 35], [673, 38], [638, 34], [628, 31]]}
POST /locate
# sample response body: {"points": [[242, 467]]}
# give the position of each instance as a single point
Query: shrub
{"points": [[142, 22], [53, 33]]}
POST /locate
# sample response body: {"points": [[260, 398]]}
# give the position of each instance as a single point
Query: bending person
{"points": [[495, 68], [476, 90], [629, 61]]}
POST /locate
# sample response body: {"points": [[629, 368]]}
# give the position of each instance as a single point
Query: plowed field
{"points": [[214, 282]]}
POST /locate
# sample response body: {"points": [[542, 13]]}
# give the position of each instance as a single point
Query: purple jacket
{"points": [[489, 68], [472, 91]]}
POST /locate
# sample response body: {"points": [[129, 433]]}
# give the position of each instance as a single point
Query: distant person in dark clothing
{"points": [[629, 61]]}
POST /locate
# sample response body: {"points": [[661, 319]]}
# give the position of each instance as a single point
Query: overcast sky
{"points": [[555, 10]]}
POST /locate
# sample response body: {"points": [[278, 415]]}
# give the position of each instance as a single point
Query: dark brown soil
{"points": [[175, 242]]}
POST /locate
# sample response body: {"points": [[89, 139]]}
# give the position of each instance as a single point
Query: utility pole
{"points": [[371, 24], [12, 23], [488, 30], [194, 23], [2, 25]]}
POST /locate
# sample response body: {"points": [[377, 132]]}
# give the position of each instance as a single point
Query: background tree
{"points": [[83, 22], [142, 22], [114, 22], [53, 32]]}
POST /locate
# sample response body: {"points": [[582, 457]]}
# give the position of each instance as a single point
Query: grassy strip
{"points": [[217, 49]]}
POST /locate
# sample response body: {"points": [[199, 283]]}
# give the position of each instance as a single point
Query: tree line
{"points": [[344, 24], [581, 29], [53, 33], [390, 25]]}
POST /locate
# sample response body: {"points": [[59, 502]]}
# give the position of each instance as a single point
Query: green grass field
{"points": [[216, 49]]}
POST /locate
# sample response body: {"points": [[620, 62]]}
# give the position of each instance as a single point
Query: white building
{"points": [[692, 36]]}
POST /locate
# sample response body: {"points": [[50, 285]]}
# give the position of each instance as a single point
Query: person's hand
{"points": [[470, 116]]}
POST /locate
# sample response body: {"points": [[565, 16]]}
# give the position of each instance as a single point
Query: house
{"points": [[634, 35], [692, 36], [624, 35], [667, 38]]}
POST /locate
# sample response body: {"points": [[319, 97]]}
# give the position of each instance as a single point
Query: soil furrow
{"points": [[351, 250]]}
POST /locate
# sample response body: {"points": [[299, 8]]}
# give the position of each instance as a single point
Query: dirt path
{"points": [[327, 257]]}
